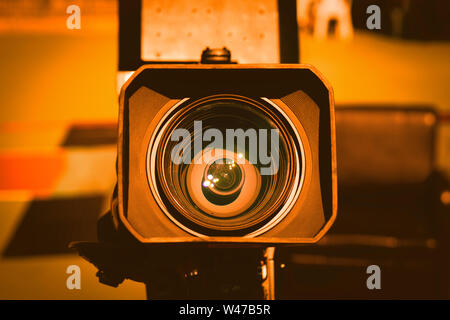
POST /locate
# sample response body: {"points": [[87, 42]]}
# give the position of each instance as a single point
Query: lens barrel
{"points": [[225, 165]]}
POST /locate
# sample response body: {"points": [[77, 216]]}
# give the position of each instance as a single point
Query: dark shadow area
{"points": [[48, 226]]}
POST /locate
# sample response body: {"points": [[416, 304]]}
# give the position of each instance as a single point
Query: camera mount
{"points": [[185, 272]]}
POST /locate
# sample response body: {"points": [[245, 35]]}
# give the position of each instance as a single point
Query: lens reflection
{"points": [[225, 176]]}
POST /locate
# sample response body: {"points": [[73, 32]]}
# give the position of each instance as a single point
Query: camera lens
{"points": [[225, 165]]}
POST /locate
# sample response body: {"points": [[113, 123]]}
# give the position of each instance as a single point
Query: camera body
{"points": [[241, 154]]}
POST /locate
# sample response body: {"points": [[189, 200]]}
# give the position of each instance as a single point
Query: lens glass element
{"points": [[225, 165]]}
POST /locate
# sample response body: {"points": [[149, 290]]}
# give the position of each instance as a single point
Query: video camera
{"points": [[215, 155]]}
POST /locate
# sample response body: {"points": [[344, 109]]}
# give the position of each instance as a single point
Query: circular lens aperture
{"points": [[225, 165]]}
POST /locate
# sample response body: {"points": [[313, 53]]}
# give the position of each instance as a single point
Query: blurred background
{"points": [[58, 121]]}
